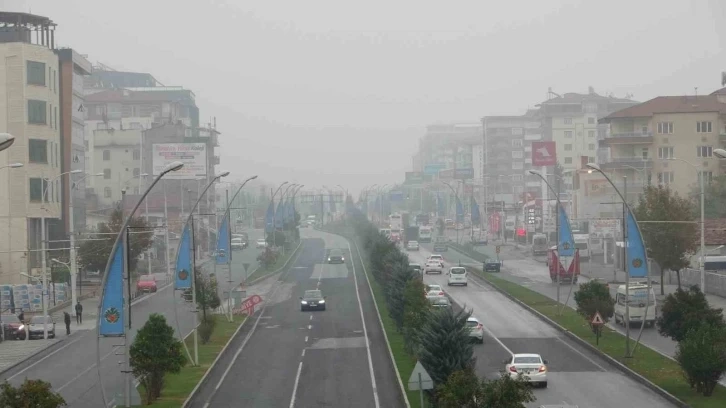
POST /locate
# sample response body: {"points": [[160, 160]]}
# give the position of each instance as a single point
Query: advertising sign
{"points": [[433, 169], [415, 177], [447, 174], [193, 155], [395, 195], [463, 174], [544, 154]]}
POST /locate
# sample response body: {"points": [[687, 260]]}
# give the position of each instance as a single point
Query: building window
{"points": [[101, 126], [517, 154], [106, 155], [135, 125], [666, 178], [37, 187], [37, 112], [568, 121], [137, 154], [591, 146], [107, 174], [38, 151], [517, 177], [707, 176], [517, 131], [590, 133], [703, 127], [665, 152], [568, 160], [568, 134], [568, 147], [704, 151], [85, 144], [590, 121], [107, 192], [35, 71], [137, 172], [55, 118], [665, 128], [516, 142], [518, 166]]}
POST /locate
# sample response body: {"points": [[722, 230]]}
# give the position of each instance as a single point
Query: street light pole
{"points": [[274, 213]]}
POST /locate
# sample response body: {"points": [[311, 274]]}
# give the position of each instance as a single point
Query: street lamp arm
{"points": [[226, 211], [278, 190]]}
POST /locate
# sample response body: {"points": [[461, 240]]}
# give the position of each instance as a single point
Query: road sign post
{"points": [[420, 380], [597, 323]]}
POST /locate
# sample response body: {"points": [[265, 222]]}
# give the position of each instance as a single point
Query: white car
{"points": [[237, 244], [412, 246], [261, 243], [434, 292], [476, 329], [532, 366], [437, 258], [457, 276], [433, 267]]}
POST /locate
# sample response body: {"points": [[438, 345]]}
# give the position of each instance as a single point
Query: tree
{"points": [[445, 344], [267, 258], [207, 296], [400, 275], [461, 390], [683, 311], [669, 244], [279, 239], [593, 297], [31, 393], [464, 389], [702, 357], [416, 310], [93, 254], [440, 226], [715, 196], [154, 353]]}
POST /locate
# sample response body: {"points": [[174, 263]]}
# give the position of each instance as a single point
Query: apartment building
{"points": [[644, 139], [29, 110], [117, 154], [449, 145]]}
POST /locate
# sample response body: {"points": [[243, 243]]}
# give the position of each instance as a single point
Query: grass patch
{"points": [[179, 386], [660, 370], [260, 271]]}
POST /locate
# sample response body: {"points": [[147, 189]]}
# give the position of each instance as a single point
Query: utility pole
{"points": [[626, 267]]}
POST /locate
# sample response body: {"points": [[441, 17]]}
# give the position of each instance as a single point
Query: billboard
{"points": [[433, 169], [395, 195], [414, 177], [193, 155], [463, 174], [544, 154], [447, 174]]}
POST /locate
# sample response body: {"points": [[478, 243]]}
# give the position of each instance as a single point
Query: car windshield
{"points": [[472, 323], [441, 302], [527, 360], [458, 271], [38, 320], [237, 240], [10, 319], [434, 288], [436, 257], [147, 278], [336, 252], [413, 242], [313, 294]]}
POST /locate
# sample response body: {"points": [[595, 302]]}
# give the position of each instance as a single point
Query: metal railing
{"points": [[617, 135]]}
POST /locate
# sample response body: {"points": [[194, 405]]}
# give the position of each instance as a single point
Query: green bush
{"points": [[594, 297], [416, 310], [702, 356], [205, 329], [463, 389], [685, 310], [31, 393]]}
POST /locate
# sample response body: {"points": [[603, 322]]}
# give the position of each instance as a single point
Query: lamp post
{"points": [[272, 200], [456, 195], [173, 166], [380, 204]]}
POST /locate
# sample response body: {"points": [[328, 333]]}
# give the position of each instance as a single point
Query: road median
{"points": [[260, 273]]}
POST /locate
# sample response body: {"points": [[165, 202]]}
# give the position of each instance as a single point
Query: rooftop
{"points": [[12, 19], [178, 94], [670, 104], [577, 98]]}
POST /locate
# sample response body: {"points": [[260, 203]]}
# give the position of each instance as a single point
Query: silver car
{"points": [[35, 327]]}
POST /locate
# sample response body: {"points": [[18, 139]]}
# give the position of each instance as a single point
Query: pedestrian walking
{"points": [[79, 313], [67, 320], [21, 316]]}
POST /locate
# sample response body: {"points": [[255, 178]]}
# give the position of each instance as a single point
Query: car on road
{"points": [[476, 329], [312, 300], [336, 256], [436, 257], [457, 276], [413, 246], [433, 267], [35, 327], [11, 326], [237, 244], [440, 302], [492, 266], [261, 243], [434, 292], [532, 367], [415, 267], [244, 237], [146, 284]]}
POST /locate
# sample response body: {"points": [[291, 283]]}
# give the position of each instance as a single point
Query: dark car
{"points": [[312, 300], [492, 266], [336, 256], [12, 325], [35, 327]]}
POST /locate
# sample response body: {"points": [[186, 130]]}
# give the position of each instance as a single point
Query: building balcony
{"points": [[628, 138], [619, 163], [722, 138]]}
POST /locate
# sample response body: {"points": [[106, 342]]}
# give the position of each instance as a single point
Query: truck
{"points": [[555, 267], [425, 234], [441, 244], [410, 234]]}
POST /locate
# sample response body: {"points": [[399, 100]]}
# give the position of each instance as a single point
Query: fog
{"points": [[338, 92]]}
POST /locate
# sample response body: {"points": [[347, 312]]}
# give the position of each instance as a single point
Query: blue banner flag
{"points": [[637, 258], [223, 242], [459, 212], [269, 215], [566, 246], [183, 271], [111, 321], [332, 204], [290, 212], [475, 215], [279, 215]]}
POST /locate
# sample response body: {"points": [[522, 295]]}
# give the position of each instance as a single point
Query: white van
{"points": [[457, 276], [638, 298]]}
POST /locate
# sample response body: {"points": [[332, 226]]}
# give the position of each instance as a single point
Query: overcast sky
{"points": [[338, 92]]}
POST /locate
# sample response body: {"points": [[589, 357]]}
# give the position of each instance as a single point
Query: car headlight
{"points": [[304, 302], [321, 302], [342, 259], [328, 259], [22, 327]]}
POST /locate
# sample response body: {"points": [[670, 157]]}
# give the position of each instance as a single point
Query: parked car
{"points": [[146, 284], [12, 325], [35, 327]]}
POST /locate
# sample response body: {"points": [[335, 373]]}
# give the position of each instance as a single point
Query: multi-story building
{"points": [[644, 138], [29, 110], [116, 154], [73, 68]]}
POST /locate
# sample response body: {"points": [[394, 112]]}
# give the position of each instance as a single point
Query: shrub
{"points": [[205, 329], [685, 310], [593, 297], [463, 389], [445, 344], [31, 393], [702, 356], [416, 310]]}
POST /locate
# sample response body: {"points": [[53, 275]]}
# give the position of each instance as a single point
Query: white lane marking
{"points": [[311, 317], [582, 354], [303, 353], [83, 335], [297, 381], [365, 333], [306, 339], [59, 389], [310, 326]]}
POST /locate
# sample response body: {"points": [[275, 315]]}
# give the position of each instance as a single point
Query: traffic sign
{"points": [[248, 305], [420, 379], [597, 320], [246, 266], [497, 248]]}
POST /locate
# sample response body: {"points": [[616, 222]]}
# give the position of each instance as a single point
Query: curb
{"points": [[214, 363], [263, 277], [613, 362]]}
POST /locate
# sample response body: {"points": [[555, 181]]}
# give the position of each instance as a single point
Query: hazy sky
{"points": [[338, 92]]}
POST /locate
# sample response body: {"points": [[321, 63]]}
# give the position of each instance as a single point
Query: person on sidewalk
{"points": [[67, 320], [79, 313]]}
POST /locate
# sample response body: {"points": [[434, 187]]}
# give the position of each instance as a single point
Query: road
{"points": [[71, 366], [289, 358], [576, 376]]}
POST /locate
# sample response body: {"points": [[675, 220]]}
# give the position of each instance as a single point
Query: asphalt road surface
{"points": [[285, 357], [575, 377], [71, 366]]}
